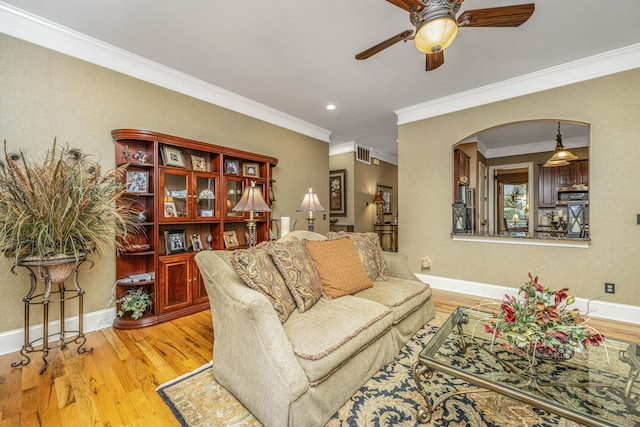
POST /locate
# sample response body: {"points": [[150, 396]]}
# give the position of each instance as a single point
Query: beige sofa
{"points": [[300, 372]]}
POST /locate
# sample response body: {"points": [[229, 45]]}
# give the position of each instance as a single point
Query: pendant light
{"points": [[561, 156]]}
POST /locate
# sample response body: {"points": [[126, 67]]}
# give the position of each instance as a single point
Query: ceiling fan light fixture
{"points": [[436, 34]]}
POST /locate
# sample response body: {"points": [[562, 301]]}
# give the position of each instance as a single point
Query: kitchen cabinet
{"points": [[183, 190], [549, 179], [575, 173], [462, 167]]}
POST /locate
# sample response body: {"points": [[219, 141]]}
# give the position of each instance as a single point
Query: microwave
{"points": [[572, 194]]}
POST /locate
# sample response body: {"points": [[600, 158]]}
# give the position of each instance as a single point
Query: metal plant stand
{"points": [[50, 272]]}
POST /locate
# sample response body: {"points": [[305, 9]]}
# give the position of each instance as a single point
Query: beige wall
{"points": [[610, 105], [44, 94]]}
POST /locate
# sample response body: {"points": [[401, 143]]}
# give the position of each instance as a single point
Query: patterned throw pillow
{"points": [[295, 265], [257, 269], [339, 267], [369, 251]]}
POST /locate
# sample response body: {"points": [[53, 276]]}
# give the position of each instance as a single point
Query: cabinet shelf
{"points": [[172, 202]]}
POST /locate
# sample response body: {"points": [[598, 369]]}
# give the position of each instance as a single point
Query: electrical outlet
{"points": [[610, 288]]}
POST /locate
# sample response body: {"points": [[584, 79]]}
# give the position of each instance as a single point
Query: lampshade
{"points": [[252, 200], [436, 34], [378, 199], [310, 203], [561, 156]]}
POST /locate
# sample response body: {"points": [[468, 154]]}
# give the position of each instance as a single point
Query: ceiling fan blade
{"points": [[507, 16], [383, 45], [408, 5], [434, 60]]}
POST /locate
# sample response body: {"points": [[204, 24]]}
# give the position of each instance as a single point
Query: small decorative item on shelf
{"points": [[137, 248], [196, 242], [137, 182], [198, 163], [209, 241], [541, 325], [135, 301], [141, 157]]}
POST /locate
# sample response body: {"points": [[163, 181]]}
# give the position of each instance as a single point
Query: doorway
{"points": [[510, 198]]}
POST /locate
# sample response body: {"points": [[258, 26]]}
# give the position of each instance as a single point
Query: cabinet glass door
{"points": [[205, 197], [175, 196], [233, 194]]}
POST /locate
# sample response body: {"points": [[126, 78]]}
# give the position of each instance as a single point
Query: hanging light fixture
{"points": [[436, 26], [561, 156]]}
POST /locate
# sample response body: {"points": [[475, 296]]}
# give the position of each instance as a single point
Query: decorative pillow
{"points": [[339, 267], [293, 261], [258, 271], [370, 252]]}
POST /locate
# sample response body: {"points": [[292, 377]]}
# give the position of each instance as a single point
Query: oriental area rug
{"points": [[389, 398]]}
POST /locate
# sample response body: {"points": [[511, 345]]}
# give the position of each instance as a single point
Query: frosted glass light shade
{"points": [[436, 35]]}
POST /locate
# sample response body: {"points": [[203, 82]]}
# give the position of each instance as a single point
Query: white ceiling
{"points": [[297, 57]]}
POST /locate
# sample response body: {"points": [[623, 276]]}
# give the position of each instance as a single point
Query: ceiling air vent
{"points": [[363, 154]]}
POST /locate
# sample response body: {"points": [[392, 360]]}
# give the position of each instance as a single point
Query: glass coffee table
{"points": [[598, 386]]}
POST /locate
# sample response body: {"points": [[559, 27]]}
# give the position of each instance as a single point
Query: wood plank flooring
{"points": [[115, 384]]}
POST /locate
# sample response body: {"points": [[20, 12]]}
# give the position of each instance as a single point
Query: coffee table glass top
{"points": [[598, 386]]}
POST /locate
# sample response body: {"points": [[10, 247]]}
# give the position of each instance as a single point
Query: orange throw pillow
{"points": [[339, 267]]}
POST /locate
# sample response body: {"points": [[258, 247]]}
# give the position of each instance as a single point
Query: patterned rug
{"points": [[389, 398]]}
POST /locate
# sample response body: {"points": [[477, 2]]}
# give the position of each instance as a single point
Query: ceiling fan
{"points": [[436, 25]]}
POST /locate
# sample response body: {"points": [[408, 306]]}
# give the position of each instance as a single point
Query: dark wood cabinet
{"points": [[388, 234], [462, 167], [549, 179], [187, 188]]}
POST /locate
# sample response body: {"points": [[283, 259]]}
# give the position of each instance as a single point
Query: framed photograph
{"points": [[172, 156], [337, 192], [196, 242], [231, 167], [175, 241], [251, 169], [230, 239], [385, 192], [170, 210], [137, 182], [198, 163], [206, 213]]}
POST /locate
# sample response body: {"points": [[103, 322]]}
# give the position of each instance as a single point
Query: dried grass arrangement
{"points": [[61, 204]]}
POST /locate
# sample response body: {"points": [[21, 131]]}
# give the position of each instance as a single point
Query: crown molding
{"points": [[611, 62], [18, 23]]}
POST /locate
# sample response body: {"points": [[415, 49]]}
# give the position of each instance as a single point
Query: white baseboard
{"points": [[596, 308], [11, 341]]}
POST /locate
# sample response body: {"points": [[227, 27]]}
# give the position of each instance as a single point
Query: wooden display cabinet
{"points": [[180, 184]]}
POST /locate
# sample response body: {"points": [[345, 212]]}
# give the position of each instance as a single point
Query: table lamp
{"points": [[252, 201], [311, 204], [378, 200]]}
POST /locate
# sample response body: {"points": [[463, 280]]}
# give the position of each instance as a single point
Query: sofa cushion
{"points": [[339, 267], [295, 265], [332, 332], [402, 296], [369, 250], [257, 269]]}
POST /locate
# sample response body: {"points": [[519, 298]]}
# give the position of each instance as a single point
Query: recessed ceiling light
{"points": [[331, 107]]}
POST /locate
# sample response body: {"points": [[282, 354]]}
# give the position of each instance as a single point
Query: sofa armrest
{"points": [[398, 266], [253, 356]]}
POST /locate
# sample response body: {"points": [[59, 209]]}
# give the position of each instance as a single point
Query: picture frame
{"points": [[337, 192], [251, 170], [386, 192], [170, 210], [196, 242], [137, 182], [172, 157], [206, 213], [230, 239], [231, 167], [198, 163], [175, 241]]}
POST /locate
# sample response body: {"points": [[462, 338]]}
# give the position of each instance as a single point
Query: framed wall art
{"points": [[231, 167], [137, 182], [198, 163], [337, 192], [172, 156], [386, 193], [251, 169], [175, 241]]}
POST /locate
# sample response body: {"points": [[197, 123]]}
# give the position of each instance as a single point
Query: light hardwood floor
{"points": [[115, 384]]}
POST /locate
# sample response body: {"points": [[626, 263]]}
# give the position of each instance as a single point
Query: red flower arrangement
{"points": [[541, 324]]}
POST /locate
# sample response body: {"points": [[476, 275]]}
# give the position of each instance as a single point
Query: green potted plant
{"points": [[135, 301], [60, 207]]}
